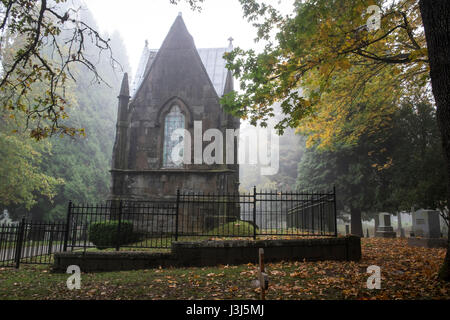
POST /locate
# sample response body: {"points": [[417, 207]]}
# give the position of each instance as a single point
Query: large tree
{"points": [[393, 169], [436, 21], [349, 169], [326, 38], [82, 162], [23, 181], [40, 24]]}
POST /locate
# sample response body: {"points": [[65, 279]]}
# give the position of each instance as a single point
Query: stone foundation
{"points": [[211, 253], [428, 242], [385, 232]]}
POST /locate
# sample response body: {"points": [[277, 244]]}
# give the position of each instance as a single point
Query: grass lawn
{"points": [[407, 273]]}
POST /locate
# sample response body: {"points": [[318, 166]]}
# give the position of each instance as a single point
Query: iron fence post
{"points": [[118, 226], [50, 244], [335, 212], [254, 213], [66, 234], [20, 242], [177, 207]]}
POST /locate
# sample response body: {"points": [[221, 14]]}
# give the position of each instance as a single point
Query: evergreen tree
{"points": [[82, 162], [391, 170]]}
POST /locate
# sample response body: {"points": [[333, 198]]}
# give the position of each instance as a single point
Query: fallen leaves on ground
{"points": [[406, 273]]}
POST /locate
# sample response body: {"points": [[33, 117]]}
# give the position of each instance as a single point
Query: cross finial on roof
{"points": [[231, 41], [146, 43]]}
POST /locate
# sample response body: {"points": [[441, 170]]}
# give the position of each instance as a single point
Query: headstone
{"points": [[426, 224], [428, 242], [387, 220], [384, 228], [368, 236]]}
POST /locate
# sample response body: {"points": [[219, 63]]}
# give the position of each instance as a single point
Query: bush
{"points": [[236, 228], [104, 234]]}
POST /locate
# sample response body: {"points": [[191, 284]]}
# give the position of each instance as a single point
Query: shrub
{"points": [[235, 228], [105, 234]]}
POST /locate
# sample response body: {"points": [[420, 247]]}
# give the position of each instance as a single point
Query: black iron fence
{"points": [[193, 216], [30, 242], [155, 224], [120, 224]]}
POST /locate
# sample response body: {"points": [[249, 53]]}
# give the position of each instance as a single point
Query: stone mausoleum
{"points": [[174, 88]]}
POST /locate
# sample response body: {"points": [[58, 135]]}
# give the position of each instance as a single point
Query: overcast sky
{"points": [[138, 20]]}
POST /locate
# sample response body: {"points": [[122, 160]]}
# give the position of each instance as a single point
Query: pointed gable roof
{"points": [[179, 38]]}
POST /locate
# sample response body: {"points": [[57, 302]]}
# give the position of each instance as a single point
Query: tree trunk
{"points": [[436, 21], [356, 223], [400, 227], [377, 223]]}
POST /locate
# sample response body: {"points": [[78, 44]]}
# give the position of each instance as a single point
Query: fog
{"points": [[139, 20]]}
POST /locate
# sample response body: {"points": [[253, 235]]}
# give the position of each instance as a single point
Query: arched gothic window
{"points": [[174, 120]]}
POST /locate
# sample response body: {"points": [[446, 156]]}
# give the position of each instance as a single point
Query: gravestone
{"points": [[384, 228], [426, 224], [426, 230]]}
